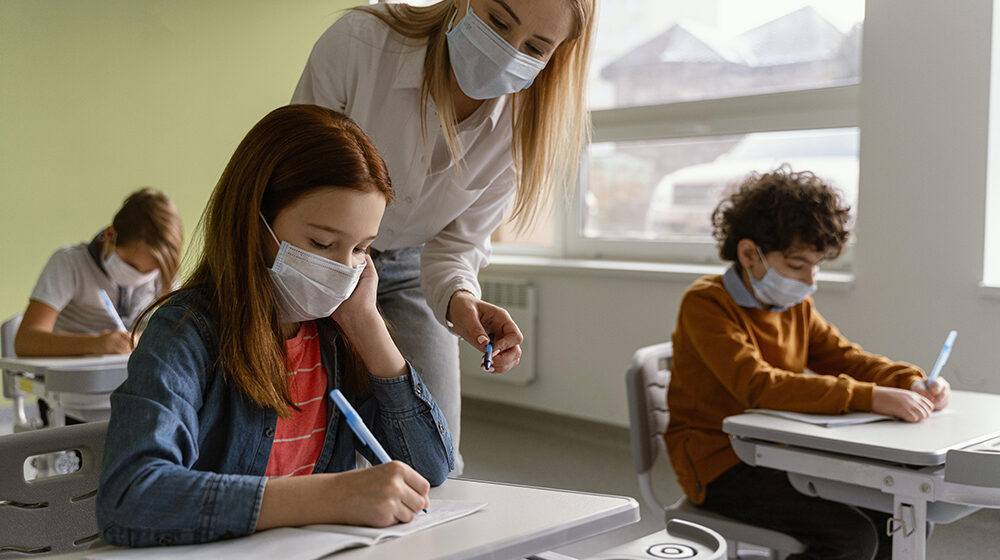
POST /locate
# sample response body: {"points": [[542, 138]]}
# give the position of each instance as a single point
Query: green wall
{"points": [[98, 98]]}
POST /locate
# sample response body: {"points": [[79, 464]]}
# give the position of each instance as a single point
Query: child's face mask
{"points": [[124, 274], [308, 286], [778, 291]]}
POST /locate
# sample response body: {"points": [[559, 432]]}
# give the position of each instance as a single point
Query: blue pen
{"points": [[358, 425], [488, 355], [106, 300], [942, 358]]}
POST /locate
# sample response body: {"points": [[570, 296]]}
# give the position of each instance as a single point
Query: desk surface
{"points": [[74, 374], [517, 521], [970, 418]]}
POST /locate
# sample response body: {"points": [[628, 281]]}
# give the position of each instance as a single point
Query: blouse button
{"points": [[165, 540], [419, 390], [440, 427], [269, 431]]}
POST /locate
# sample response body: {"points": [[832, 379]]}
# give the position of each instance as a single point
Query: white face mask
{"points": [[778, 291], [124, 274], [307, 285], [485, 65]]}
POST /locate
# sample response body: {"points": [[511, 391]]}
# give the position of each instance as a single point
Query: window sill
{"points": [[637, 270], [991, 291]]}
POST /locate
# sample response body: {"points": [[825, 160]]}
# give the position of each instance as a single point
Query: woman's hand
{"points": [[939, 392], [379, 496], [901, 403], [474, 320]]}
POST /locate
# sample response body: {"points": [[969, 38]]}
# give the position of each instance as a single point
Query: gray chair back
{"points": [[8, 330], [646, 383], [55, 514]]}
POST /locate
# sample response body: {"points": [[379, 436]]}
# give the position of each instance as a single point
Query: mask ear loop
{"points": [[269, 230], [760, 253]]}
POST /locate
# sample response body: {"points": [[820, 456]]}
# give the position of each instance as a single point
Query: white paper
{"points": [[826, 420], [297, 543]]}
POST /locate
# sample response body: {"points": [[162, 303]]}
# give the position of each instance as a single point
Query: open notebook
{"points": [[825, 420], [297, 543]]}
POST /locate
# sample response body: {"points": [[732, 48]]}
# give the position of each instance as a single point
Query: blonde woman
{"points": [[478, 108]]}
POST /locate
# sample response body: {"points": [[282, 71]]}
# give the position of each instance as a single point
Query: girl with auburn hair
{"points": [[223, 426], [478, 106]]}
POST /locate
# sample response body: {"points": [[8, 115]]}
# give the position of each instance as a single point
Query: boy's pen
{"points": [[359, 427], [488, 355], [942, 358], [106, 300]]}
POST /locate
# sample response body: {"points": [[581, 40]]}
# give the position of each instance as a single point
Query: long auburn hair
{"points": [[292, 151], [551, 123], [147, 216]]}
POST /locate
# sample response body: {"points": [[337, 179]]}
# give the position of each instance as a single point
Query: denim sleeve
{"points": [[149, 493], [411, 426]]}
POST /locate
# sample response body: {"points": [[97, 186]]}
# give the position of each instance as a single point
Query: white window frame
{"points": [[830, 107]]}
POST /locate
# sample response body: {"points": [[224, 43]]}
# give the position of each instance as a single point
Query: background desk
{"points": [[57, 379], [860, 464]]}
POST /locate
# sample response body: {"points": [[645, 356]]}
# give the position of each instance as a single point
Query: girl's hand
{"points": [[112, 342], [379, 496], [474, 320], [376, 497], [939, 393], [361, 305], [901, 403]]}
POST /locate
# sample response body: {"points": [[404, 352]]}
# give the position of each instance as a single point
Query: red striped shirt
{"points": [[299, 439]]}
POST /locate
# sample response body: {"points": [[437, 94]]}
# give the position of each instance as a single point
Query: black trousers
{"points": [[830, 530]]}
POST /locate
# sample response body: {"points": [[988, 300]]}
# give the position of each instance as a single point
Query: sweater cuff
{"points": [[861, 397]]}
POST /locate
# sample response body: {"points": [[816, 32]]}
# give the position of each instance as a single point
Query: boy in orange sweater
{"points": [[744, 340]]}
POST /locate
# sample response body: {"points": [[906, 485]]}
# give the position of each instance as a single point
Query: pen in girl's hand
{"points": [[488, 355]]}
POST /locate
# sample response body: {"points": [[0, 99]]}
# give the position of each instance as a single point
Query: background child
{"points": [[225, 407], [744, 340], [134, 260]]}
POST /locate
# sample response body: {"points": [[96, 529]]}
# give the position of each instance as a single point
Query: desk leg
{"points": [[908, 527]]}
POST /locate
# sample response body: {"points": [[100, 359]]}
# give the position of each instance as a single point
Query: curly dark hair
{"points": [[779, 209]]}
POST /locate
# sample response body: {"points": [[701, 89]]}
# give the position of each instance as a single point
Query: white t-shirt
{"points": [[69, 283], [367, 71]]}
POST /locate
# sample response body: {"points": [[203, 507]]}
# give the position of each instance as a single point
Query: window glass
{"points": [[665, 190], [652, 52]]}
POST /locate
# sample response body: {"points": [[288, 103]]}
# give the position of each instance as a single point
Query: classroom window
{"points": [[688, 97]]}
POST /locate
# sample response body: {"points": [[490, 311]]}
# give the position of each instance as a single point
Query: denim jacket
{"points": [[186, 450]]}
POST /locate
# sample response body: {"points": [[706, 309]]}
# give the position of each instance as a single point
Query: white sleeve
{"points": [[57, 283], [451, 259], [331, 70]]}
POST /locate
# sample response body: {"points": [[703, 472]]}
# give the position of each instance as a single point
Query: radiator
{"points": [[518, 298]]}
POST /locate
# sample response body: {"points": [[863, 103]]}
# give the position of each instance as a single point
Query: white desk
{"points": [[55, 379], [890, 466], [517, 521]]}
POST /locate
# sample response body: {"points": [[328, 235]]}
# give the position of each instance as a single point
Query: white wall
{"points": [[919, 260]]}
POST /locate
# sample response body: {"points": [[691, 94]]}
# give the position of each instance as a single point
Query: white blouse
{"points": [[361, 67]]}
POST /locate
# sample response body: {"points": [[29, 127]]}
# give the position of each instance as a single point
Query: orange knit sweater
{"points": [[729, 358]]}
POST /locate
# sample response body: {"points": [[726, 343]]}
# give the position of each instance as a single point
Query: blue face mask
{"points": [[485, 65], [776, 290]]}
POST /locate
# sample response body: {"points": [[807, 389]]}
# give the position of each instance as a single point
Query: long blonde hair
{"points": [[550, 119]]}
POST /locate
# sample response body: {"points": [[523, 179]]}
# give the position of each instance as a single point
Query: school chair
{"points": [[8, 330], [55, 514], [646, 385]]}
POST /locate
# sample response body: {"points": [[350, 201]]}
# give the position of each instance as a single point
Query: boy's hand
{"points": [[901, 403], [112, 342], [939, 392]]}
